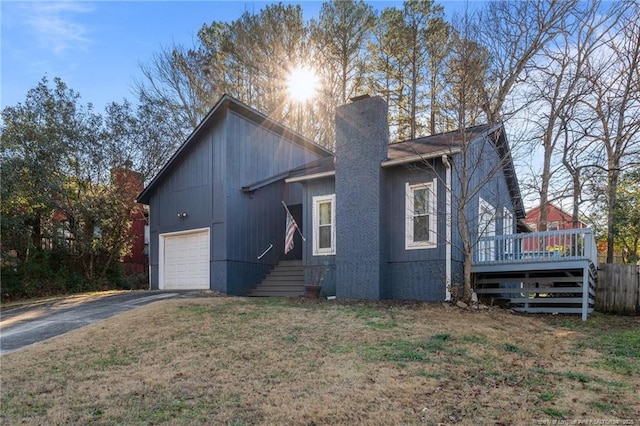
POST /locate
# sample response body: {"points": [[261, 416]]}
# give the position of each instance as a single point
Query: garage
{"points": [[184, 260]]}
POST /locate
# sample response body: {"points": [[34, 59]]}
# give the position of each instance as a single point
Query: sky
{"points": [[97, 47]]}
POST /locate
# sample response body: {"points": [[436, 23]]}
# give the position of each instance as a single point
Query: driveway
{"points": [[26, 325]]}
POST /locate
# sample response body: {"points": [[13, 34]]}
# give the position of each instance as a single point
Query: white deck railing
{"points": [[549, 246]]}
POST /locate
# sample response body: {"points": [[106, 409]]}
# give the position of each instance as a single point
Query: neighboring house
{"points": [[557, 219], [131, 184], [378, 217], [53, 231]]}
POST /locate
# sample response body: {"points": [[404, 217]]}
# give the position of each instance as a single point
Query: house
{"points": [[557, 219], [53, 230], [130, 184], [379, 219]]}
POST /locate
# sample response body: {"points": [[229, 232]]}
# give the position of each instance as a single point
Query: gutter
{"points": [[418, 157], [449, 221], [310, 177]]}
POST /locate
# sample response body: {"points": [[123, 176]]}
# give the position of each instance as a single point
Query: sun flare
{"points": [[302, 83]]}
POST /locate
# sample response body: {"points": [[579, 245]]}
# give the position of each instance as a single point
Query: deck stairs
{"points": [[286, 279]]}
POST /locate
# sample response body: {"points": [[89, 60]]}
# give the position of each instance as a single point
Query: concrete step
{"points": [[285, 280], [297, 274], [280, 288], [257, 293], [284, 277], [286, 263]]}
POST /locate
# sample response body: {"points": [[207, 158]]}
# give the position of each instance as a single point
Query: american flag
{"points": [[291, 230]]}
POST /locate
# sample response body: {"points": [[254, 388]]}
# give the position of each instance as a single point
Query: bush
{"points": [[53, 272]]}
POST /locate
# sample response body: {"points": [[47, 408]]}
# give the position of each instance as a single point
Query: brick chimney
{"points": [[362, 138]]}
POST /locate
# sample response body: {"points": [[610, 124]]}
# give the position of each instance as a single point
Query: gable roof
{"points": [[428, 147], [551, 207], [434, 145], [227, 102]]}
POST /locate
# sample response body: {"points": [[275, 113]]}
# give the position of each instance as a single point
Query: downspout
{"points": [[448, 222]]}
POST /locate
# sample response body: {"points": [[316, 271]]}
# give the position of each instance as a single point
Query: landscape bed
{"points": [[240, 361]]}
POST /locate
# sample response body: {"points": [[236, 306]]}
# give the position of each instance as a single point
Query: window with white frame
{"points": [[421, 215], [553, 226], [486, 230], [507, 229], [324, 225]]}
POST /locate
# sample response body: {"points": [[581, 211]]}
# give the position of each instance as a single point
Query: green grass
{"points": [[115, 357], [234, 361], [508, 347], [547, 396], [381, 325], [605, 407], [553, 412]]}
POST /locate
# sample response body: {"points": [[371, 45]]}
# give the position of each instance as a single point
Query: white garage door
{"points": [[185, 261]]}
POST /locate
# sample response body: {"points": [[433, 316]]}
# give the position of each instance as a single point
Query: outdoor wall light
{"points": [[182, 215]]}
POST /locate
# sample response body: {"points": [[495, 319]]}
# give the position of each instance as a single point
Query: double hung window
{"points": [[324, 225], [421, 216]]}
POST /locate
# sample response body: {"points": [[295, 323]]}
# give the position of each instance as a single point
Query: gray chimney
{"points": [[362, 138]]}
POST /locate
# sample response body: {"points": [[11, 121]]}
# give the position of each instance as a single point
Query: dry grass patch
{"points": [[274, 361]]}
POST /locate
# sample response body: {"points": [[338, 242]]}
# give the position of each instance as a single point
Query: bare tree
{"points": [[513, 33], [557, 85], [614, 105]]}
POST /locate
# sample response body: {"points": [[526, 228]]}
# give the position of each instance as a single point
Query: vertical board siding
{"points": [[417, 274], [207, 185], [256, 220], [618, 289], [395, 196], [481, 162], [187, 189], [325, 186]]}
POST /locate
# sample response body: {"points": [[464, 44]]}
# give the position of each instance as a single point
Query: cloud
{"points": [[56, 24]]}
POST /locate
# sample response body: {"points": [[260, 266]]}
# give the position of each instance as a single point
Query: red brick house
{"points": [[132, 183]]}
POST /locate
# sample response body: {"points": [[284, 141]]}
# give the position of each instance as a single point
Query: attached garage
{"points": [[184, 260]]}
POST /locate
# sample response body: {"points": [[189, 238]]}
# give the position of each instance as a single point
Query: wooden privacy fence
{"points": [[618, 289]]}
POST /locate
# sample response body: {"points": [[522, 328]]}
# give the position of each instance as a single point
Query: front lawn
{"points": [[240, 361]]}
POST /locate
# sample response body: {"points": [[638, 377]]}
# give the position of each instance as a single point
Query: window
{"points": [[507, 222], [324, 225], [553, 226], [507, 229], [421, 216], [486, 230]]}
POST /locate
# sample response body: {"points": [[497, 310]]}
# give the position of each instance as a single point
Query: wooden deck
{"points": [[541, 272]]}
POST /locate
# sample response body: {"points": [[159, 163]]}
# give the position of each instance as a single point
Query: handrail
{"points": [[265, 252], [566, 244]]}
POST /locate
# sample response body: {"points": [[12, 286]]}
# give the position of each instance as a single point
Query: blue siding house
{"points": [[380, 220]]}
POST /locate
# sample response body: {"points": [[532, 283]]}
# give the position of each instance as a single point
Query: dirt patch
{"points": [[277, 361]]}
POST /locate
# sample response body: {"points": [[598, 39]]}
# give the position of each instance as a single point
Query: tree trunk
{"points": [[612, 188]]}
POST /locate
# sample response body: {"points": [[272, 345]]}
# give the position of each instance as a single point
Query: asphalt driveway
{"points": [[26, 325]]}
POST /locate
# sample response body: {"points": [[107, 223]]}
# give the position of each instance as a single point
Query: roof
{"points": [[434, 145], [536, 211], [225, 103]]}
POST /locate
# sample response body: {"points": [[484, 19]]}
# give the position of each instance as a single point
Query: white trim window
{"points": [[486, 228], [421, 215], [507, 229], [324, 225]]}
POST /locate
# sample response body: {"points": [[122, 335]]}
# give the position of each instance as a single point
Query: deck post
{"points": [[585, 292]]}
